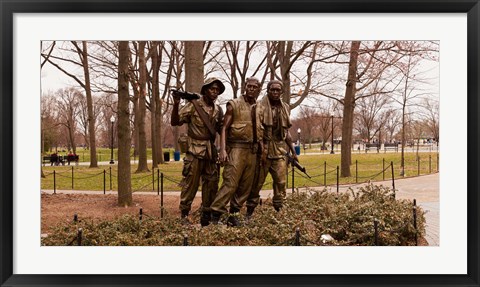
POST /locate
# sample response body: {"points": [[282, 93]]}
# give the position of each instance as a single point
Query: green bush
{"points": [[348, 218]]}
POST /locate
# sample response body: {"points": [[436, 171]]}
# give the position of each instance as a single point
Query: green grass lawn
{"points": [[364, 167]]}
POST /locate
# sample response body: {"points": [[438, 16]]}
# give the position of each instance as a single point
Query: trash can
{"points": [[166, 156], [297, 149], [176, 155]]}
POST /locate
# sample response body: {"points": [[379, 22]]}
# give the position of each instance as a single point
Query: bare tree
{"points": [[432, 117], [371, 116], [410, 81], [124, 177], [141, 111], [68, 107], [82, 62]]}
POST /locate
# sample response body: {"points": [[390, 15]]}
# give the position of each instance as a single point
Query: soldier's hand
{"points": [[223, 156], [176, 97], [295, 157]]}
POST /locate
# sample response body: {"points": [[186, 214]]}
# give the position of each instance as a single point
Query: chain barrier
{"points": [[60, 172], [332, 166], [47, 174], [87, 177], [140, 178], [323, 174], [171, 179], [308, 179], [141, 188], [373, 176]]}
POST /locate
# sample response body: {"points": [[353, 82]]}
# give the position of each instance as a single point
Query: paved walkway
{"points": [[425, 189]]}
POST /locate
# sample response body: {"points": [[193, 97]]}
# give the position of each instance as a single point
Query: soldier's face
{"points": [[252, 89], [275, 92], [213, 91]]}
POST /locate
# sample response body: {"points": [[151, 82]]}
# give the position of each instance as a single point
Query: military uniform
{"points": [[201, 158], [242, 148], [275, 122]]}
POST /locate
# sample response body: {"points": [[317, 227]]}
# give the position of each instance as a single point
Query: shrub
{"points": [[348, 218]]}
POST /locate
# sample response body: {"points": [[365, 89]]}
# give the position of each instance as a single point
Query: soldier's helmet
{"points": [[209, 82]]}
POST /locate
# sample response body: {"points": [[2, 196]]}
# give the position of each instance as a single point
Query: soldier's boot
{"points": [[233, 219], [250, 210], [184, 218], [277, 208], [205, 218], [215, 217]]}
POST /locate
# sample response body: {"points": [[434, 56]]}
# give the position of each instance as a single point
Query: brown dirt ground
{"points": [[61, 208]]}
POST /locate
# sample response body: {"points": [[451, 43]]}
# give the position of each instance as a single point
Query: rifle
{"points": [[203, 115], [184, 95], [296, 164]]}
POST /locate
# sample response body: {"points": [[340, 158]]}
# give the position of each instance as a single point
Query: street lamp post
{"points": [[332, 152], [112, 120]]}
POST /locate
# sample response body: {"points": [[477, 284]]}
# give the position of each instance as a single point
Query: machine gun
{"points": [[296, 164], [184, 95]]}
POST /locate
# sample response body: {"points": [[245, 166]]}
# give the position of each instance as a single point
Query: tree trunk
{"points": [[91, 118], [348, 109], [124, 179], [153, 105], [142, 137], [194, 66]]}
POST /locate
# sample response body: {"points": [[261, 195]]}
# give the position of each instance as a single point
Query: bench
{"points": [[60, 159], [393, 146], [368, 146], [71, 158]]}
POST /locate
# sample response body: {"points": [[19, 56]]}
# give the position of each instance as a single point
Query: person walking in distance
{"points": [[276, 142], [204, 119], [239, 144]]}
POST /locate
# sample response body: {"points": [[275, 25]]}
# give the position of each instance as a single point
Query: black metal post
{"points": [[393, 180], [286, 179], [158, 182], [375, 225], [325, 173], [293, 179], [111, 178], [54, 183], [104, 180], [140, 215], [161, 195], [383, 172], [79, 237], [297, 237], [415, 220], [111, 147], [185, 240], [356, 171], [338, 180], [332, 152], [75, 218]]}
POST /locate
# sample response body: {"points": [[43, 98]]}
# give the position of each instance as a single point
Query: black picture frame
{"points": [[9, 8]]}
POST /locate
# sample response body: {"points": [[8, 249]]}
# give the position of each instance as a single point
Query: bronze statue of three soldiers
{"points": [[254, 139]]}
